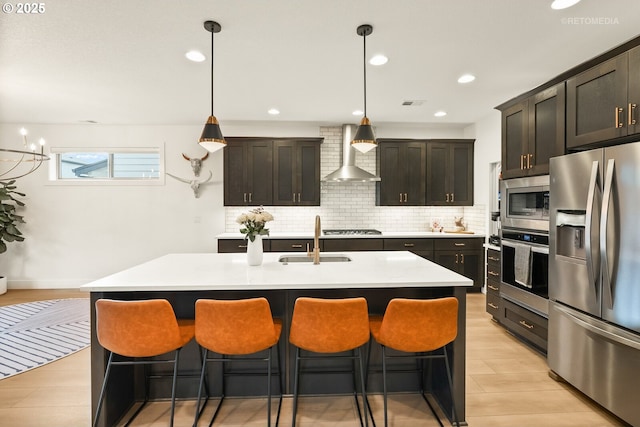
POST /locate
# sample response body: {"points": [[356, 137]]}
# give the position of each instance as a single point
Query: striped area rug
{"points": [[36, 333]]}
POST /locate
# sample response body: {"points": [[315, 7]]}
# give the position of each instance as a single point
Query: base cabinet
{"points": [[420, 247], [239, 245], [335, 245], [493, 283], [524, 323], [464, 256], [292, 245]]}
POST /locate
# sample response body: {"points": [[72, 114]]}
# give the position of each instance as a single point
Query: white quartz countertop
{"points": [[213, 271], [384, 235]]}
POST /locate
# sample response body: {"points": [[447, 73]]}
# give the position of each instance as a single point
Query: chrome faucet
{"points": [[316, 242]]}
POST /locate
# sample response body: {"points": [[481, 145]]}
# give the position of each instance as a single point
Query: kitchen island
{"points": [[183, 278]]}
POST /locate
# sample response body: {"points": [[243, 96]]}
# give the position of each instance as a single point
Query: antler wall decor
{"points": [[196, 166]]}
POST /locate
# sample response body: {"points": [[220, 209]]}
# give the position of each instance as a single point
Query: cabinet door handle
{"points": [[296, 246], [525, 324], [447, 197], [461, 258], [492, 305], [521, 161], [529, 156], [493, 288], [405, 197], [492, 258], [244, 197], [242, 246], [400, 197], [459, 244], [457, 258], [452, 198], [630, 111], [294, 198], [408, 245], [619, 123], [493, 273], [250, 198], [298, 197]]}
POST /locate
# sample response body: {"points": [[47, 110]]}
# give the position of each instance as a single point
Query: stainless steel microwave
{"points": [[525, 203]]}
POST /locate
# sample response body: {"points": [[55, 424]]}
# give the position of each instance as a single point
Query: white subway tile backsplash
{"points": [[352, 205]]}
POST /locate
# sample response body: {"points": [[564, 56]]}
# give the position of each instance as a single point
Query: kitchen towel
{"points": [[522, 265]]}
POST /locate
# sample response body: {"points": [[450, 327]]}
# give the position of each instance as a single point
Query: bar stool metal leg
{"points": [[102, 390]]}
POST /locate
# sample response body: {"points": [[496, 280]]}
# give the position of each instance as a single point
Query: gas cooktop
{"points": [[348, 231]]}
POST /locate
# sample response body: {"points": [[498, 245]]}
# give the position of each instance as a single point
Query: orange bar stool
{"points": [[330, 326], [419, 327], [140, 329], [237, 328]]}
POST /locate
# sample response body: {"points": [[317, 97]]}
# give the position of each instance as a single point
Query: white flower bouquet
{"points": [[253, 223]]}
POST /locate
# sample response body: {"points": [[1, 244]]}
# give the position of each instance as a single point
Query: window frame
{"points": [[55, 153]]}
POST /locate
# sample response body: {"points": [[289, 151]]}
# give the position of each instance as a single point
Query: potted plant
{"points": [[9, 220]]}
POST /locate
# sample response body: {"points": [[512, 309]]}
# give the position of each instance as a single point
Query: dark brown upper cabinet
{"points": [[533, 132], [248, 172], [602, 102], [296, 172], [402, 167], [264, 171], [450, 172]]}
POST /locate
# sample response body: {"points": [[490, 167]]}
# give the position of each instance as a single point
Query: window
{"points": [[113, 165]]}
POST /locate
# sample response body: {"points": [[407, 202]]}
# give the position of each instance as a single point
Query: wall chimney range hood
{"points": [[349, 172]]}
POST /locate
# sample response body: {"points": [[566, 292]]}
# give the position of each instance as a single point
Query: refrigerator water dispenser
{"points": [[570, 232]]}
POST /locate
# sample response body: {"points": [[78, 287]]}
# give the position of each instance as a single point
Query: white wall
{"points": [[487, 132], [75, 234]]}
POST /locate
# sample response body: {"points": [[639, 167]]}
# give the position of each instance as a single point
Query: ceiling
{"points": [[122, 62]]}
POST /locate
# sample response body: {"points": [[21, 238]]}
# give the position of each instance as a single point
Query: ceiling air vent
{"points": [[413, 103]]}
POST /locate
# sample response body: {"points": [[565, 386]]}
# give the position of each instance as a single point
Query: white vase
{"points": [[254, 251]]}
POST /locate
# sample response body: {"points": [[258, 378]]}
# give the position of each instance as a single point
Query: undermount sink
{"points": [[286, 259]]}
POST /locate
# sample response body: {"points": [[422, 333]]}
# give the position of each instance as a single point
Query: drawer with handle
{"points": [[408, 244], [525, 323], [493, 304], [292, 245], [453, 244]]}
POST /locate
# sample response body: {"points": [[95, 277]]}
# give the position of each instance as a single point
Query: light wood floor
{"points": [[507, 386]]}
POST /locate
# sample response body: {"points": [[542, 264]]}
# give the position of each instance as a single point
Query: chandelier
{"points": [[15, 164]]}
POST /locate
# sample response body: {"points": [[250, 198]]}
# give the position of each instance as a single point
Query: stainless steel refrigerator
{"points": [[594, 275]]}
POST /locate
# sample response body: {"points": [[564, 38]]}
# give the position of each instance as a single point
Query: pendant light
{"points": [[364, 140], [211, 138]]}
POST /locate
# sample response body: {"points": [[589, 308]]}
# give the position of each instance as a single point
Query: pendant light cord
{"points": [[212, 32], [364, 63]]}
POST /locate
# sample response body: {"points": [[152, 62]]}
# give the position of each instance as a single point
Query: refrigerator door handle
{"points": [[610, 336], [593, 268], [604, 219]]}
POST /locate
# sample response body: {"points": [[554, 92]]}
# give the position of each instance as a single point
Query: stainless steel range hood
{"points": [[349, 171]]}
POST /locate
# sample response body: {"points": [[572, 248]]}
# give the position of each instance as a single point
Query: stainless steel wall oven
{"points": [[525, 269]]}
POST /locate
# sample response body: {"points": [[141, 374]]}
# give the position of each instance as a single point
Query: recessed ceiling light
{"points": [[273, 111], [378, 60], [563, 4], [440, 113], [466, 78], [195, 56], [357, 112]]}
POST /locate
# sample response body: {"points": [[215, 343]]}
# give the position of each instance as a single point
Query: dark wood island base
{"points": [[126, 385]]}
